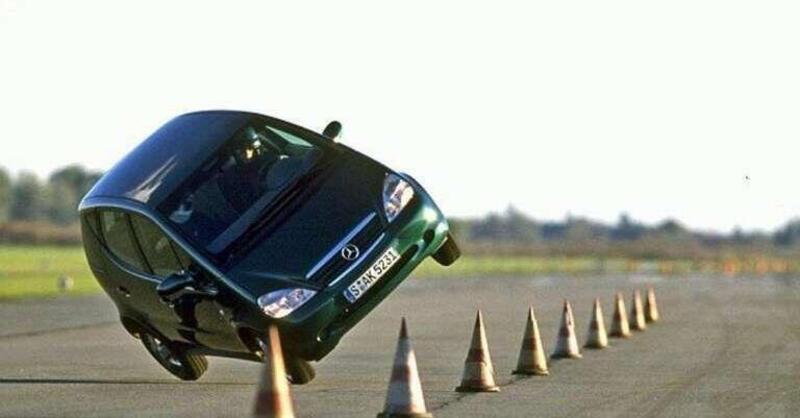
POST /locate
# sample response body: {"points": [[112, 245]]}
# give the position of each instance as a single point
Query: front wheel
{"points": [[448, 253], [299, 371], [181, 364]]}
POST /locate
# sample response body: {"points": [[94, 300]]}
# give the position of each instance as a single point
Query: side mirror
{"points": [[332, 130], [180, 284], [173, 284]]}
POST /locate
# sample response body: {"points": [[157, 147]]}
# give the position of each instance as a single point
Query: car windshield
{"points": [[228, 193]]}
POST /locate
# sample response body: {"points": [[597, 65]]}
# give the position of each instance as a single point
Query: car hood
{"points": [[303, 242]]}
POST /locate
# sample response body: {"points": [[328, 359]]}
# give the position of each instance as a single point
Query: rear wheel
{"points": [[448, 253], [181, 364]]}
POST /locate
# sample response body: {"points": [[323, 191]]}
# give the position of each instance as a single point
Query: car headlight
{"points": [[282, 302], [396, 195]]}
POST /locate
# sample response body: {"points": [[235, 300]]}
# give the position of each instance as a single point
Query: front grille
{"points": [[363, 239]]}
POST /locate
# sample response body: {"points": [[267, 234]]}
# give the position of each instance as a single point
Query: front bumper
{"points": [[315, 329]]}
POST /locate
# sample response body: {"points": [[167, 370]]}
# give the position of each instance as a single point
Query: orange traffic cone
{"points": [[478, 370], [273, 399], [567, 342], [650, 306], [531, 355], [404, 397], [637, 312], [597, 337], [619, 326]]}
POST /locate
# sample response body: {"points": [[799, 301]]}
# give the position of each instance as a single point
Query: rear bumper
{"points": [[316, 328]]}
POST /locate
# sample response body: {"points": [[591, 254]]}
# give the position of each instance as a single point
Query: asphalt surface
{"points": [[724, 347]]}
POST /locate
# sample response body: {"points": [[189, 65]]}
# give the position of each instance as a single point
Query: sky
{"points": [[679, 109]]}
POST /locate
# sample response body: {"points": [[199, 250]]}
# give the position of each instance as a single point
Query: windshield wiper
{"points": [[288, 192], [267, 214]]}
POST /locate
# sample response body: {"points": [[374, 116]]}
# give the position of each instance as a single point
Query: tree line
{"points": [[54, 200], [512, 231], [36, 210]]}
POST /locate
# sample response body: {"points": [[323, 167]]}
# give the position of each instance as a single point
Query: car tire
{"points": [[181, 364], [299, 371], [448, 253]]}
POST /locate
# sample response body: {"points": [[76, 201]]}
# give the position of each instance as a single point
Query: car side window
{"points": [[119, 238], [159, 250], [93, 221]]}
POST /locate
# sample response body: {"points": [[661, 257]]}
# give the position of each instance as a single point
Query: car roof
{"points": [[164, 160]]}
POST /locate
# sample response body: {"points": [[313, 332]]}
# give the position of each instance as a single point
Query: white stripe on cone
{"points": [[404, 396], [478, 373], [567, 342], [532, 360], [597, 337], [651, 307], [619, 326], [637, 312]]}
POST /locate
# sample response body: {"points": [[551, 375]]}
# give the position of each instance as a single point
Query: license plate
{"points": [[372, 275]]}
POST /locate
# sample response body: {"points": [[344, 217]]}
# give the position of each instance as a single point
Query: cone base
{"points": [[595, 346], [639, 329], [558, 356], [531, 372], [471, 389], [405, 415], [619, 335]]}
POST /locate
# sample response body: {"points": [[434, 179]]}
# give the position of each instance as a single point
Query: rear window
{"points": [[119, 239]]}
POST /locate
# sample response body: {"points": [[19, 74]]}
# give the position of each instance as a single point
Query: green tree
{"points": [[74, 177], [66, 186], [627, 229], [27, 198], [61, 202]]}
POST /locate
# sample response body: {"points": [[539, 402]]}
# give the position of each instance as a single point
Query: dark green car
{"points": [[223, 222]]}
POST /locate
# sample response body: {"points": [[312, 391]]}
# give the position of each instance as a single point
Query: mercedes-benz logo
{"points": [[350, 252]]}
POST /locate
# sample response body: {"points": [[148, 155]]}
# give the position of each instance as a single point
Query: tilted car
{"points": [[222, 223]]}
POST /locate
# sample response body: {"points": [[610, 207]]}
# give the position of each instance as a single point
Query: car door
{"points": [[201, 320], [133, 278]]}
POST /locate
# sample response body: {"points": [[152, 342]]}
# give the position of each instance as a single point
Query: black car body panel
{"points": [[297, 243], [166, 158], [321, 214]]}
